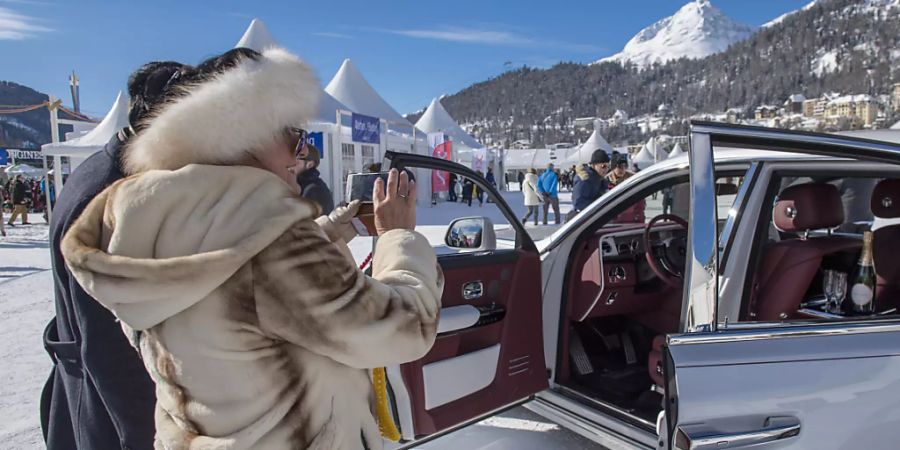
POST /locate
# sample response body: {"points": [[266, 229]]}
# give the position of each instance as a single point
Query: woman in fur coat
{"points": [[254, 324]]}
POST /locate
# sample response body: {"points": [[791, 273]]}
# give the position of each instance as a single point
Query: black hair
{"points": [[155, 83]]}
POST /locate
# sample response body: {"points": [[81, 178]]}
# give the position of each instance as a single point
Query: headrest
{"points": [[810, 206], [885, 201]]}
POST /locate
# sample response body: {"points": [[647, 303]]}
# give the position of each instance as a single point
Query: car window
{"points": [[810, 241]]}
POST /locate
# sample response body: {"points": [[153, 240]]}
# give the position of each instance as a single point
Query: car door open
{"points": [[778, 384], [488, 354]]}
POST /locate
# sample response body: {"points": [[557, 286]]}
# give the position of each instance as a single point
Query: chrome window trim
{"points": [[761, 331], [736, 212], [700, 298]]}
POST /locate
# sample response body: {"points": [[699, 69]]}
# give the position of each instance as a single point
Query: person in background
{"points": [[99, 394], [311, 183], [590, 182], [532, 198], [451, 189], [20, 193], [548, 187], [258, 330], [468, 188], [491, 180], [619, 172], [478, 192], [520, 177]]}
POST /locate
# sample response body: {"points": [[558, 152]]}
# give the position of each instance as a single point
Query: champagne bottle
{"points": [[862, 291]]}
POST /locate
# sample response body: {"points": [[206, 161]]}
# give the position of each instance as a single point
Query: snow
{"points": [[781, 18], [697, 30], [825, 63], [27, 304]]}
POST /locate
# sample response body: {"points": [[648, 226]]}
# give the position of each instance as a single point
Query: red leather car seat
{"points": [[885, 204], [789, 266]]}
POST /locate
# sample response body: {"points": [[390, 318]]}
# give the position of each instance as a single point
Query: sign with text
{"points": [[366, 129], [442, 149], [24, 154], [318, 140]]}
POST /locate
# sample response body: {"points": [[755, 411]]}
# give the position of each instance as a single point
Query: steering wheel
{"points": [[666, 257]]}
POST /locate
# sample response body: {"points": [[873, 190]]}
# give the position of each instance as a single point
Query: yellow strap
{"points": [[382, 410]]}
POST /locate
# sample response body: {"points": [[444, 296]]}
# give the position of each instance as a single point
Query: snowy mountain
{"points": [[781, 18], [697, 30]]}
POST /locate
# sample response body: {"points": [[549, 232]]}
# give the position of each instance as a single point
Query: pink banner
{"points": [[443, 149]]}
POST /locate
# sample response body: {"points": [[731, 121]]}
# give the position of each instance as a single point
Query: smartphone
{"points": [[361, 185]]}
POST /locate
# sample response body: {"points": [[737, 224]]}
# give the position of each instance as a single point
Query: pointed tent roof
{"points": [[656, 150], [257, 37], [896, 126], [96, 139], [436, 118], [583, 155], [676, 151], [350, 88], [644, 158]]}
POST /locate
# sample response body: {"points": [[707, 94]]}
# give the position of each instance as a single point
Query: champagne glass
{"points": [[839, 291], [828, 280]]}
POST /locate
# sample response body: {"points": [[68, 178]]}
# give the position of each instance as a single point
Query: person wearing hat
{"points": [[312, 186], [256, 328], [590, 182], [619, 172], [548, 187]]}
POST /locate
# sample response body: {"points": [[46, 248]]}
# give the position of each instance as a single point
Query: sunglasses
{"points": [[301, 144]]}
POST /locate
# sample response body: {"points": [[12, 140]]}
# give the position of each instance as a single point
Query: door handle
{"points": [[694, 437], [472, 290]]}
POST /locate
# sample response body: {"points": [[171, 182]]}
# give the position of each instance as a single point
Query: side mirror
{"points": [[471, 233]]}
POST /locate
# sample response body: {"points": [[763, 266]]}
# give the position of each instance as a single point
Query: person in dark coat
{"points": [[451, 192], [520, 177], [468, 189], [20, 194], [311, 183], [590, 181], [99, 395]]}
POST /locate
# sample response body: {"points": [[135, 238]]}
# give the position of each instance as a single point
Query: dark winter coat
{"points": [[315, 189], [99, 395], [20, 192], [589, 186]]}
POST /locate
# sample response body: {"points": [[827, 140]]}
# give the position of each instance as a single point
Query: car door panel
{"points": [[842, 388], [450, 384], [480, 362]]}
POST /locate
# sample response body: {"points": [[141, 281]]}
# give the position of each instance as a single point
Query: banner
{"points": [[366, 129], [442, 148], [479, 160], [317, 139], [4, 157]]}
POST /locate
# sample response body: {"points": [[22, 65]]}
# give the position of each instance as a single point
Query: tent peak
{"points": [[257, 37]]}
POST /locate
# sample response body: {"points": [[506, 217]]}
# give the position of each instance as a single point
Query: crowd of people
{"points": [[20, 196], [587, 183], [463, 189]]}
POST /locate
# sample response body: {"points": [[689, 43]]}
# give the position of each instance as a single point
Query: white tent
{"points": [[257, 37], [656, 150], [896, 126], [676, 151], [350, 88], [436, 119], [93, 141], [644, 158], [583, 155]]}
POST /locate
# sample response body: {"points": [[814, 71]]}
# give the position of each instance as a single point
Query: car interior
{"points": [[624, 288]]}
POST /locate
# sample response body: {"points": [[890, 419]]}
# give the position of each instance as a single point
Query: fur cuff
{"points": [[220, 120]]}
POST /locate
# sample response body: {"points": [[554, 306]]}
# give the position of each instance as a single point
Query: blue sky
{"points": [[410, 51]]}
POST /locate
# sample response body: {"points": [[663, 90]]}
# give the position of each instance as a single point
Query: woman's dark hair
{"points": [[159, 81]]}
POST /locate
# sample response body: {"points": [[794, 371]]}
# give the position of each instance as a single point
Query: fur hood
{"points": [[218, 121], [583, 171], [152, 245]]}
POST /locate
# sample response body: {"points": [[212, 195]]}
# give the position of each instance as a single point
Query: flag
{"points": [[442, 148], [479, 160]]}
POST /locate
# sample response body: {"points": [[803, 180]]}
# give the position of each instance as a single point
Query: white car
{"points": [[684, 309]]}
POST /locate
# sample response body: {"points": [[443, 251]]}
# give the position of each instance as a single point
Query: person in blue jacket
{"points": [[98, 395], [590, 181], [548, 187]]}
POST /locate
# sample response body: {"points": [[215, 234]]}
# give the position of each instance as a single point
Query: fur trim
{"points": [[244, 109]]}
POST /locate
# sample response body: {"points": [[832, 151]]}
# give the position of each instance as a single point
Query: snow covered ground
{"points": [[26, 304]]}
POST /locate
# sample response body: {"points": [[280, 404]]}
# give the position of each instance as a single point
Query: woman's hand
{"points": [[396, 207]]}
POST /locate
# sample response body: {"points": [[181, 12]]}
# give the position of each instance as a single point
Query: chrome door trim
{"points": [[737, 210], [775, 429], [745, 332], [601, 405], [701, 277]]}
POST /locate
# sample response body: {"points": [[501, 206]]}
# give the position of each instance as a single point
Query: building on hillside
{"points": [[734, 115], [584, 122], [809, 107], [857, 109], [895, 97], [663, 110], [764, 112], [794, 104], [618, 117], [521, 144]]}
